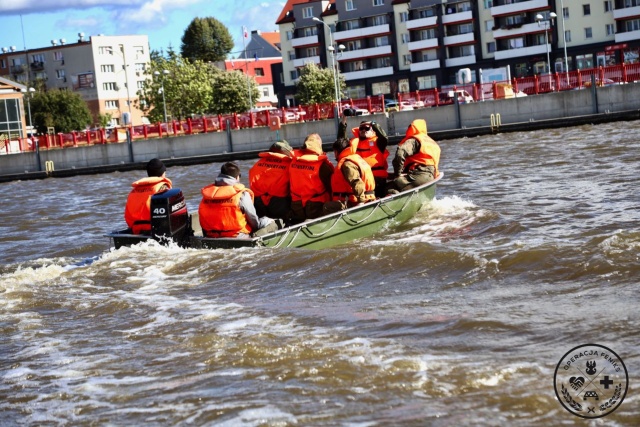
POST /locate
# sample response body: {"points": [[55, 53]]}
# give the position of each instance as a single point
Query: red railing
{"points": [[535, 85]]}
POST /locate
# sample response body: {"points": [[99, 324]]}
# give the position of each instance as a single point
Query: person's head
{"points": [[230, 169], [340, 145], [417, 126], [155, 167], [281, 147], [313, 143], [365, 131]]}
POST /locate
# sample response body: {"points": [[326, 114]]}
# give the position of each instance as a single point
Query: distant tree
{"points": [[231, 92], [207, 40], [316, 85], [105, 119], [63, 110]]}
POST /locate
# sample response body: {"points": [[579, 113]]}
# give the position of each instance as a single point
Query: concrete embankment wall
{"points": [[617, 102]]}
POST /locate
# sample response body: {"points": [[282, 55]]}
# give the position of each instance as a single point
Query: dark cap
{"points": [[281, 147], [155, 167], [340, 144]]}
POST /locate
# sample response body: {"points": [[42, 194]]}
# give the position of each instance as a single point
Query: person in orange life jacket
{"points": [[310, 180], [226, 208], [352, 182], [416, 160], [137, 212], [269, 181], [370, 142]]}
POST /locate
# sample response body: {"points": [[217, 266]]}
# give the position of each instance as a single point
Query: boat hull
{"points": [[341, 227]]}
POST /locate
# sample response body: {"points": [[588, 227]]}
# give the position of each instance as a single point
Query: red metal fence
{"points": [[539, 84]]}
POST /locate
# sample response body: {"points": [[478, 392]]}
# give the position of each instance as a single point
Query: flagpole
{"points": [[246, 63]]}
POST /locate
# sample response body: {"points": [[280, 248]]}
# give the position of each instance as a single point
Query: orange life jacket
{"points": [[340, 187], [270, 176], [369, 151], [429, 154], [304, 176], [219, 211], [137, 211]]}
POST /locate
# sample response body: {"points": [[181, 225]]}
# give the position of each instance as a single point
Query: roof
{"points": [[261, 47]]}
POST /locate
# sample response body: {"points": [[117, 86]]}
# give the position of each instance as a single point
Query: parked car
{"points": [[398, 106]]}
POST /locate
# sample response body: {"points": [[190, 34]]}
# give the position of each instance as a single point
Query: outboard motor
{"points": [[169, 217]]}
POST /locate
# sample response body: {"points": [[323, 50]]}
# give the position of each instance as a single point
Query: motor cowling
{"points": [[169, 217]]}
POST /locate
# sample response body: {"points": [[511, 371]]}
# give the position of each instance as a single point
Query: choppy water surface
{"points": [[457, 318]]}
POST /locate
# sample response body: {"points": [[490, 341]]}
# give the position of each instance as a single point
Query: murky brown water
{"points": [[457, 318]]}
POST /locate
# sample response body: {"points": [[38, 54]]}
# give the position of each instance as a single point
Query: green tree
{"points": [[187, 88], [105, 119], [231, 92], [316, 85], [207, 40], [65, 111]]}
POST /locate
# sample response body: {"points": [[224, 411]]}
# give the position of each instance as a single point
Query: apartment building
{"points": [[257, 59], [106, 71], [392, 46]]}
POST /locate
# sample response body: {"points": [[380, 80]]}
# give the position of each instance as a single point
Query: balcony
{"points": [[365, 74], [459, 39], [423, 44], [37, 65], [523, 51], [523, 6], [627, 12], [414, 24], [18, 69], [454, 18], [301, 62], [359, 33], [425, 65], [460, 61], [305, 41], [350, 55], [503, 32], [627, 36]]}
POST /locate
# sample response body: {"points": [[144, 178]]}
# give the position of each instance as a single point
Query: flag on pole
{"points": [[244, 32], [255, 55]]}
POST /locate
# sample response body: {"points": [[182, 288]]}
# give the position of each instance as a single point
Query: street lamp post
{"points": [[547, 26], [29, 93], [332, 52], [164, 104], [564, 43]]}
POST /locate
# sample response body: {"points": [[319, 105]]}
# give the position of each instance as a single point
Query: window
{"points": [[378, 2], [348, 5], [141, 84], [428, 34], [567, 36], [310, 31], [109, 86], [292, 55], [105, 50], [610, 29], [427, 82], [608, 6], [406, 59], [259, 72], [380, 20], [353, 45], [380, 88], [488, 25], [39, 57], [584, 61], [354, 24], [265, 91], [586, 9], [289, 34], [491, 47], [139, 50], [60, 74], [565, 12], [426, 13], [516, 43], [3, 63], [307, 12], [588, 33], [381, 41], [294, 75], [405, 38], [108, 68], [404, 16], [633, 25], [111, 105]]}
